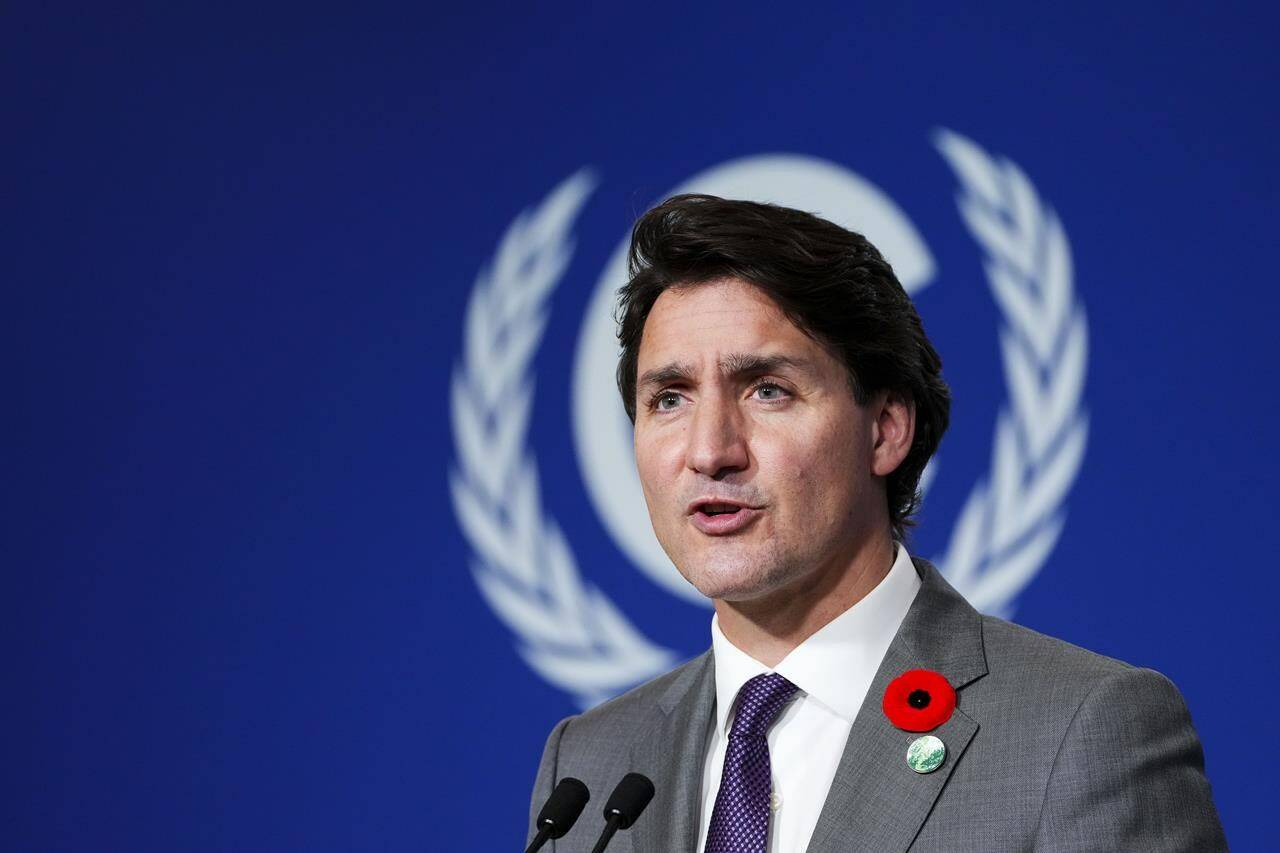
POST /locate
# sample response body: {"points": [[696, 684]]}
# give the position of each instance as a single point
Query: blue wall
{"points": [[241, 612]]}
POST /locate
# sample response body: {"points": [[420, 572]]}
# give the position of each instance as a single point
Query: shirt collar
{"points": [[837, 663]]}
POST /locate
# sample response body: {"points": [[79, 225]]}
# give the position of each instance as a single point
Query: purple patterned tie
{"points": [[740, 819]]}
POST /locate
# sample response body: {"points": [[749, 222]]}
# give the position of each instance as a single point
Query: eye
{"points": [[664, 401], [770, 391]]}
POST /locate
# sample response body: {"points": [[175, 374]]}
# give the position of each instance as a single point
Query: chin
{"points": [[735, 580]]}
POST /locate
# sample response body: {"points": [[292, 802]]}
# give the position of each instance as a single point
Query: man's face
{"points": [[737, 406]]}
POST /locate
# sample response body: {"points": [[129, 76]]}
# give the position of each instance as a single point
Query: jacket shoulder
{"points": [[610, 726], [1047, 677], [1074, 751], [1111, 747], [1011, 646]]}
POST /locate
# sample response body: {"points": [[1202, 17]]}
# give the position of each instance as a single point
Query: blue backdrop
{"points": [[248, 605]]}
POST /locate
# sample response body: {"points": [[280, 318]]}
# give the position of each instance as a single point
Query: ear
{"points": [[893, 428]]}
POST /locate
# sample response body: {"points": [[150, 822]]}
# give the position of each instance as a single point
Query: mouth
{"points": [[718, 518]]}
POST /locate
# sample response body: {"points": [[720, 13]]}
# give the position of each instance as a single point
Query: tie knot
{"points": [[759, 702]]}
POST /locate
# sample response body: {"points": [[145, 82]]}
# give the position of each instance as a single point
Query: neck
{"points": [[768, 628]]}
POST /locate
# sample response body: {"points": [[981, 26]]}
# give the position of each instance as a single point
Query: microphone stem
{"points": [[539, 839], [610, 828]]}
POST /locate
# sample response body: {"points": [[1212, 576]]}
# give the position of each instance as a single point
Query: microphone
{"points": [[560, 811], [625, 805]]}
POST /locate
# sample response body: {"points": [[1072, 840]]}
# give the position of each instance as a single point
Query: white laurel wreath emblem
{"points": [[570, 633], [1014, 517]]}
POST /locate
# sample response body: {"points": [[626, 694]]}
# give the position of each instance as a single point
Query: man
{"points": [[785, 401]]}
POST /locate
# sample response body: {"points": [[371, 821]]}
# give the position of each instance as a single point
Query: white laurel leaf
{"points": [[468, 430], [505, 444], [481, 525], [1057, 274], [524, 510], [569, 632], [561, 579], [1025, 218], [587, 672], [1017, 303], [555, 217], [1007, 467], [1012, 520], [504, 363], [528, 276], [538, 622], [972, 164], [995, 235], [478, 326], [1046, 491], [541, 276], [615, 630], [1066, 382], [1025, 393], [514, 251], [965, 550], [1011, 572]]}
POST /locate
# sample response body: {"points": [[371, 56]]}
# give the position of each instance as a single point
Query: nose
{"points": [[717, 439]]}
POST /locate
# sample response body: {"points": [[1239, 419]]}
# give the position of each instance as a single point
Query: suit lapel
{"points": [[878, 803], [671, 752]]}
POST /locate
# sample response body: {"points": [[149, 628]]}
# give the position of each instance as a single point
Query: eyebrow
{"points": [[735, 366]]}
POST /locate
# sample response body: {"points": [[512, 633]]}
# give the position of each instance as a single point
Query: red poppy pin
{"points": [[919, 700]]}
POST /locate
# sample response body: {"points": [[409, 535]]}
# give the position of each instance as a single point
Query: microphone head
{"points": [[563, 807], [629, 799]]}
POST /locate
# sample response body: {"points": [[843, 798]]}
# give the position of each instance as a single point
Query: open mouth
{"points": [[716, 518], [718, 509]]}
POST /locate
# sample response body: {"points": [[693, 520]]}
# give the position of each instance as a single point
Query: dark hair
{"points": [[832, 283]]}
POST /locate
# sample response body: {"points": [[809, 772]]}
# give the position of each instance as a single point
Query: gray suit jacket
{"points": [[1050, 748]]}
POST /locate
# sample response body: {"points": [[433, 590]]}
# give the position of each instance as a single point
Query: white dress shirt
{"points": [[833, 669]]}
